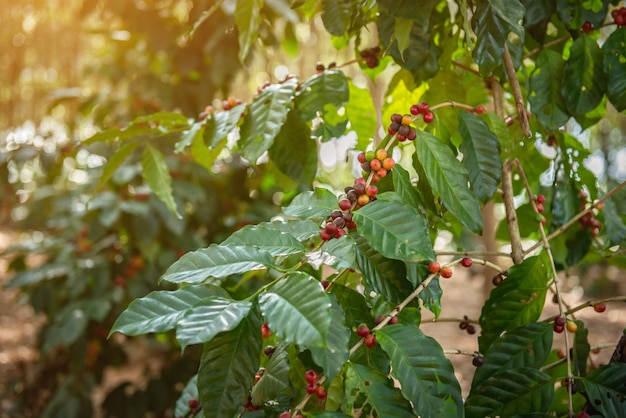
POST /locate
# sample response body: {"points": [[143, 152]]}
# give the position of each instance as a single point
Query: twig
{"points": [[454, 320], [207, 14], [475, 253], [517, 250], [547, 45], [463, 352], [517, 92], [453, 104], [466, 68], [589, 304]]}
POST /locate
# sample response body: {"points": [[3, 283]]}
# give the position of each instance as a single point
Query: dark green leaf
{"points": [[335, 354], [545, 98], [336, 253], [157, 175], [269, 240], [395, 230], [275, 378], [115, 162], [431, 295], [294, 140], [526, 346], [615, 228], [216, 261], [537, 16], [219, 124], [353, 304], [227, 367], [512, 392], [418, 11], [614, 49], [336, 16], [69, 325], [328, 87], [312, 204], [518, 300], [296, 309], [208, 318], [605, 389], [584, 80], [161, 310], [247, 20], [425, 374], [404, 188], [481, 155], [266, 115], [370, 390], [447, 176], [300, 230]]}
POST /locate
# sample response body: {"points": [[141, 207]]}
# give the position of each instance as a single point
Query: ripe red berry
{"points": [[587, 27], [361, 157], [311, 377], [265, 331], [559, 320], [370, 340], [599, 307], [429, 117], [422, 108], [311, 388], [344, 204], [393, 320], [321, 392], [396, 118], [558, 328], [415, 109], [360, 180], [193, 403], [582, 414], [362, 331], [371, 190], [325, 235], [479, 110], [539, 208], [466, 262], [541, 199], [285, 414], [434, 267], [446, 272], [375, 165]]}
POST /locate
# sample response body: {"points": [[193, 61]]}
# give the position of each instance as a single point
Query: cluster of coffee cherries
{"points": [[340, 220], [248, 405], [619, 16], [364, 332], [561, 323], [312, 386], [539, 201], [230, 103], [589, 221], [370, 56], [445, 272], [206, 112], [465, 325], [319, 67], [377, 163]]}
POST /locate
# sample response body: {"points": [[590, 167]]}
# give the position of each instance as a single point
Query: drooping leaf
{"points": [[160, 311], [606, 390], [219, 124], [208, 318], [525, 346], [584, 81], [581, 349], [188, 136], [614, 49], [189, 392], [157, 175], [294, 140], [335, 354], [270, 240], [265, 117], [546, 99], [275, 378], [518, 300], [296, 309], [385, 276], [218, 262], [228, 365], [336, 16], [449, 178], [115, 162], [481, 155], [403, 187], [312, 204], [425, 374], [353, 303], [395, 230], [328, 87], [247, 20], [370, 390], [512, 392]]}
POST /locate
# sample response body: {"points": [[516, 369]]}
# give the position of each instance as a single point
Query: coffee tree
{"points": [[317, 311]]}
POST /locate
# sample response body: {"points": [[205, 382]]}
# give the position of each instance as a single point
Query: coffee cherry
{"points": [[370, 341], [446, 272], [582, 414], [559, 320], [193, 403], [571, 326], [422, 108], [378, 319], [393, 320], [321, 392], [359, 189], [599, 307], [375, 165], [497, 279], [404, 131], [434, 267], [539, 208], [381, 154], [363, 200], [382, 172], [558, 328], [331, 227], [311, 377], [388, 163], [310, 388], [361, 157], [471, 329], [371, 190], [345, 204], [269, 351], [393, 128], [360, 180], [541, 199], [479, 110], [429, 117], [478, 361], [407, 120], [414, 109], [411, 135], [265, 331], [396, 118], [587, 27], [325, 235], [466, 262], [362, 331], [285, 414], [560, 353], [340, 222]]}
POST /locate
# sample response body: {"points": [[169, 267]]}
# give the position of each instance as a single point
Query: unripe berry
{"points": [[370, 155], [389, 163], [466, 262], [434, 267], [362, 331], [363, 200], [407, 120], [571, 326], [446, 272], [381, 154]]}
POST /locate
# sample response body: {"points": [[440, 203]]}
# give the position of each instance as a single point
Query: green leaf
{"points": [[353, 303], [219, 124], [545, 97], [614, 49], [69, 325], [425, 374], [395, 230], [404, 188], [275, 378], [328, 87], [268, 240], [189, 392], [537, 16], [160, 311], [228, 365], [372, 392], [188, 136], [266, 115], [615, 228], [115, 162], [216, 261], [431, 295], [294, 140], [526, 346], [296, 309], [492, 22], [517, 301], [312, 204], [36, 275], [335, 354], [512, 392], [360, 111], [157, 175], [336, 16], [584, 81], [581, 349], [300, 230], [208, 318], [481, 155], [605, 389], [402, 33], [449, 179], [336, 253], [247, 20], [384, 275], [206, 156]]}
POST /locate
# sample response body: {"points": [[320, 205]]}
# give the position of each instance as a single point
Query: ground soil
{"points": [[462, 295]]}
